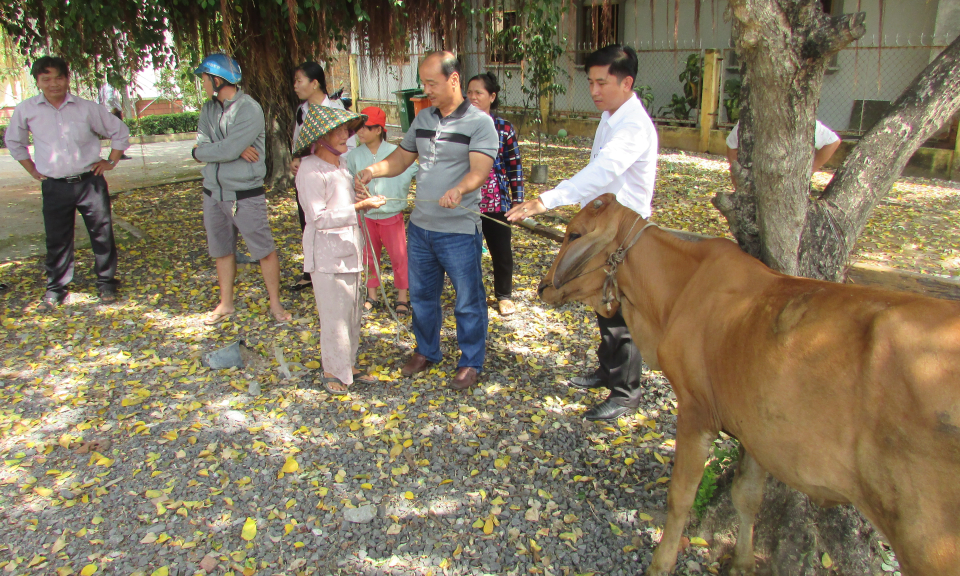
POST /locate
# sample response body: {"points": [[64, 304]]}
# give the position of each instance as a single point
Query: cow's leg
{"points": [[747, 495], [693, 448]]}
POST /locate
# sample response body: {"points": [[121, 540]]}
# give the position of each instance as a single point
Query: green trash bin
{"points": [[405, 107]]}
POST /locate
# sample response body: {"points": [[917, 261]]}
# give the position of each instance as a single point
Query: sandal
{"points": [[405, 310], [217, 317], [327, 381], [300, 285], [365, 377], [374, 305]]}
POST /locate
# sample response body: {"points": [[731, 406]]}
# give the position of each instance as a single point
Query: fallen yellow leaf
{"points": [[249, 531], [88, 570]]}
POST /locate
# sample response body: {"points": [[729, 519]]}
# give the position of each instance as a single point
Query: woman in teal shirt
{"points": [[384, 225]]}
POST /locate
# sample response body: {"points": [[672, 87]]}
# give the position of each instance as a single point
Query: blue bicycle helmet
{"points": [[222, 66]]}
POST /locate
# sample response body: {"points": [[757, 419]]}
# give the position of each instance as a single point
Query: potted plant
{"points": [[542, 46]]}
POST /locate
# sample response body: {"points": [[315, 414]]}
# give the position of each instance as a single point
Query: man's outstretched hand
{"points": [[526, 210]]}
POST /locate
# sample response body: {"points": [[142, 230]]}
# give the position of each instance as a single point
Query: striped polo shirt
{"points": [[444, 145]]}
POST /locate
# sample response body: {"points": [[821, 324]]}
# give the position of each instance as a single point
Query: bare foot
{"points": [[280, 315]]}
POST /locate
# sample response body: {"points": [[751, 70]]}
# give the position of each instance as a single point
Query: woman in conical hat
{"points": [[331, 239]]}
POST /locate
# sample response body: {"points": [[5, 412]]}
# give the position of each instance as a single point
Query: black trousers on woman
{"points": [[303, 224], [498, 239]]}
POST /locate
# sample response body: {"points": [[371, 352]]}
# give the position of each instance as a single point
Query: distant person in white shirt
{"points": [[623, 162], [825, 142]]}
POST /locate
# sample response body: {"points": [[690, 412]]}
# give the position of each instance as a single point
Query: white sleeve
{"points": [[824, 136], [733, 141], [622, 150]]}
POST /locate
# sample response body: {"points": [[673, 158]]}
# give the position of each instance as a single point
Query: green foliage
{"points": [[148, 125], [731, 98], [163, 124], [679, 108], [690, 78], [645, 94], [722, 459], [542, 46]]}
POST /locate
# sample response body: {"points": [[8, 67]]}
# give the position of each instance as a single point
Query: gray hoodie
{"points": [[223, 133]]}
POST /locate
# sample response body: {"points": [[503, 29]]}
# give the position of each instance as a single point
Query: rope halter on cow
{"points": [[611, 289]]}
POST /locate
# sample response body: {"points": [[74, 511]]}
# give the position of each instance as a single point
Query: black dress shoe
{"points": [[587, 382], [108, 294], [52, 301], [610, 409], [300, 285]]}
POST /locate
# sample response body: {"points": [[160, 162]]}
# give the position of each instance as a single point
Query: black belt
{"points": [[74, 179]]}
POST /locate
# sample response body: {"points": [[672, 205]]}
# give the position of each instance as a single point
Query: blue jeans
{"points": [[429, 256]]}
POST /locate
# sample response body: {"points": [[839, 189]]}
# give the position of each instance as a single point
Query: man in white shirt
{"points": [[623, 162], [825, 143]]}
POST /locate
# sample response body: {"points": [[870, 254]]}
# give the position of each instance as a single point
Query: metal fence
{"points": [[859, 85]]}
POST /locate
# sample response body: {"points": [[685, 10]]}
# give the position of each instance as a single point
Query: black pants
{"points": [[303, 224], [498, 241], [620, 362], [61, 201]]}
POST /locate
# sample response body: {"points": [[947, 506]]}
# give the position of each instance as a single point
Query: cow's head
{"points": [[578, 272]]}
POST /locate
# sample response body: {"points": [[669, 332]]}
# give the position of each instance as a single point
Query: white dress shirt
{"points": [[821, 136], [623, 162], [66, 140]]}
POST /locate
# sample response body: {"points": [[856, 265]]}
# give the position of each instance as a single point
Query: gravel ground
{"points": [[122, 455]]}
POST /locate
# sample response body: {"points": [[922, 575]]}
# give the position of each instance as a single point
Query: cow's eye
{"points": [[573, 236]]}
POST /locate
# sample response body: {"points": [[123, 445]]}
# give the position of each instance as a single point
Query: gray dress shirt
{"points": [[66, 140]]}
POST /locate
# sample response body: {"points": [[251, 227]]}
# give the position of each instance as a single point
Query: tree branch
{"points": [[825, 41], [868, 173]]}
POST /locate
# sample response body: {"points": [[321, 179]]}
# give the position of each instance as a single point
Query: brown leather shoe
{"points": [[416, 364], [465, 378]]}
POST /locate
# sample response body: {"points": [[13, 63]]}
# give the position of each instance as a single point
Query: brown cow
{"points": [[848, 394]]}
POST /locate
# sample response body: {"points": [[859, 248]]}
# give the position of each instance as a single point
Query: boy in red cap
{"points": [[384, 225]]}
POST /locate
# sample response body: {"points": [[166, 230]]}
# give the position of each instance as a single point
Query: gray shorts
{"points": [[250, 219]]}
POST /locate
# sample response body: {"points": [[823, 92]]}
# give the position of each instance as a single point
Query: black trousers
{"points": [[61, 201], [620, 362], [303, 223], [498, 241]]}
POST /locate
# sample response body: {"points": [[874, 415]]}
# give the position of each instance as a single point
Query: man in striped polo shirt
{"points": [[456, 144]]}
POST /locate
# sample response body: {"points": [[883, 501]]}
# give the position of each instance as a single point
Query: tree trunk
{"points": [[837, 217], [784, 47]]}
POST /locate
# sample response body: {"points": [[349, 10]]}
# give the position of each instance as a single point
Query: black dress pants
{"points": [[61, 201], [498, 239], [620, 362]]}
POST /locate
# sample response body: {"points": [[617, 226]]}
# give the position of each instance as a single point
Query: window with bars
{"points": [[504, 44], [599, 26]]}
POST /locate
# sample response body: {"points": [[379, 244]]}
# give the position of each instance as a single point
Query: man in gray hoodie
{"points": [[230, 139]]}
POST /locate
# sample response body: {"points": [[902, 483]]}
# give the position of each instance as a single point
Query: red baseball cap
{"points": [[375, 117]]}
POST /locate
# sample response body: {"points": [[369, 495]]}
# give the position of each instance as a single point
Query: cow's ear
{"points": [[580, 251]]}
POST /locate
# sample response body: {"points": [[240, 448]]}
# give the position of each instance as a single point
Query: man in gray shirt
{"points": [[230, 139], [66, 135], [456, 144]]}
